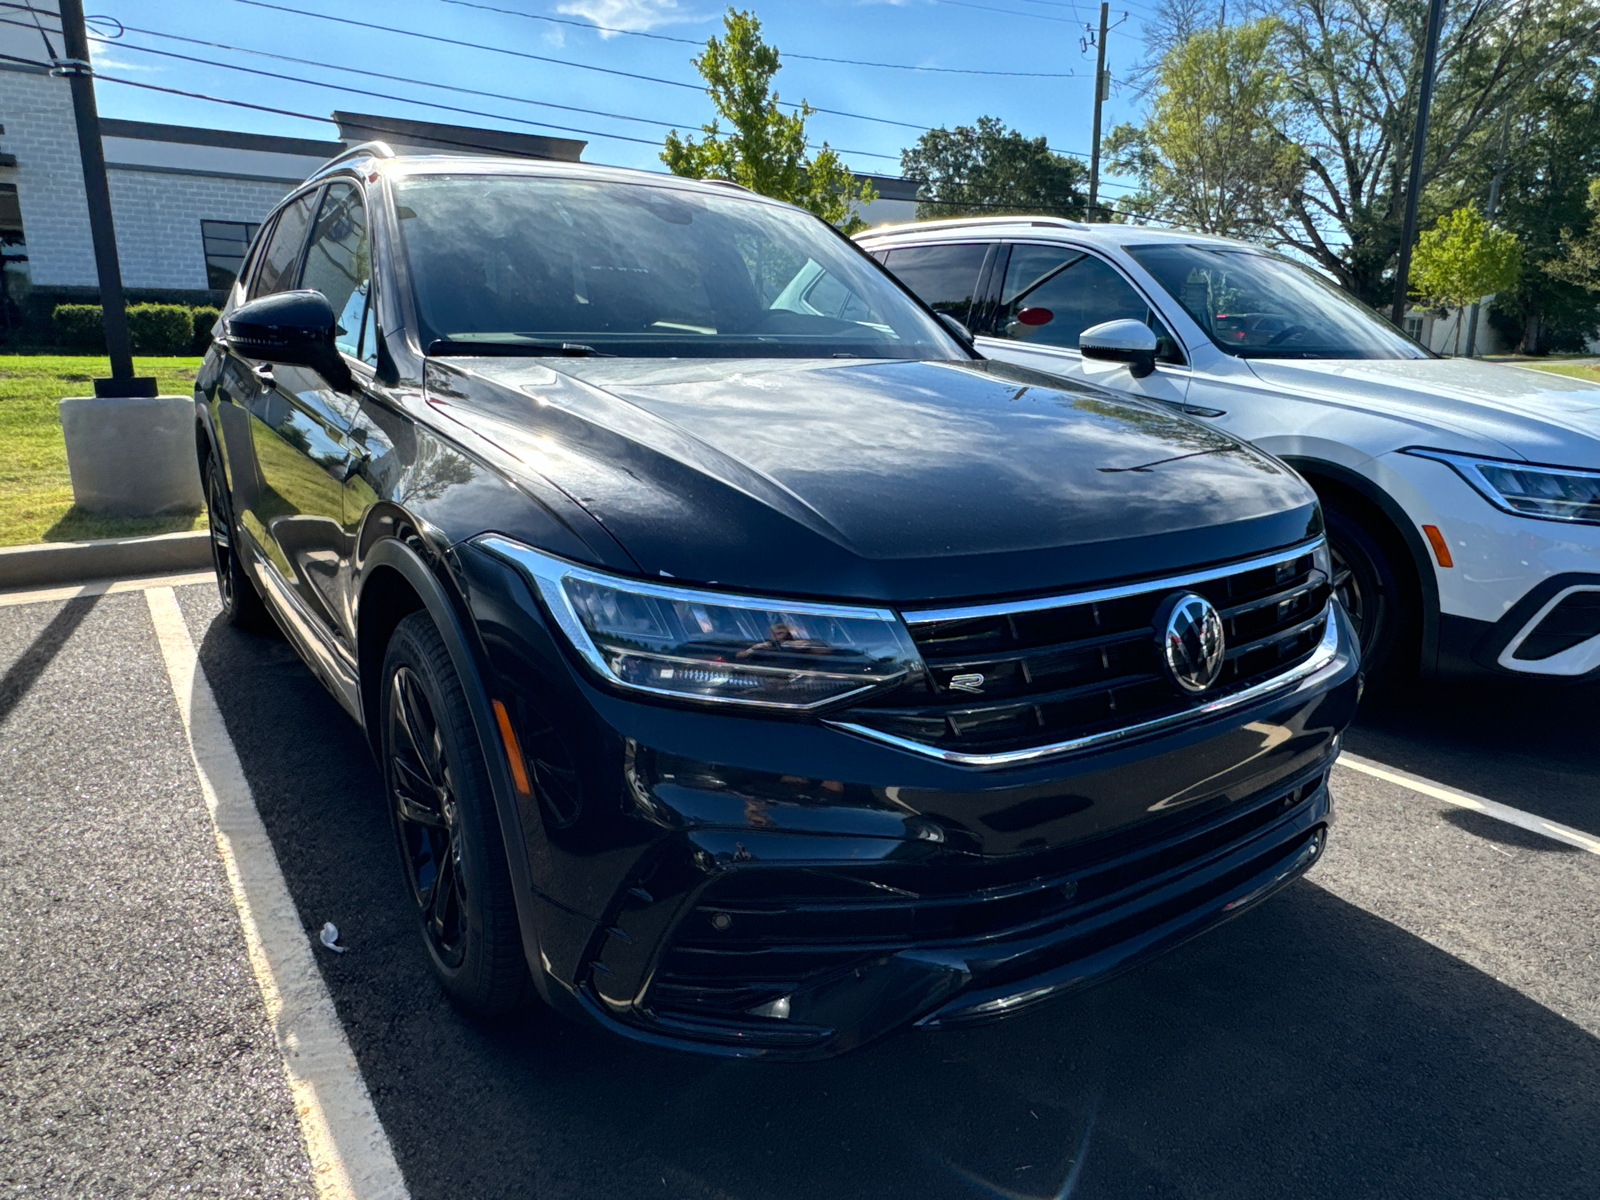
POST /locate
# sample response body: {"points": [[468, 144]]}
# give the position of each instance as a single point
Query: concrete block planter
{"points": [[132, 458]]}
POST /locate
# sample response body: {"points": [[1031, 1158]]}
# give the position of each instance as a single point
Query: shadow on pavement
{"points": [[1307, 1050], [1532, 746]]}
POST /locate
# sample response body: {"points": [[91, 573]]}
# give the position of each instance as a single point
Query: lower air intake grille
{"points": [[756, 936]]}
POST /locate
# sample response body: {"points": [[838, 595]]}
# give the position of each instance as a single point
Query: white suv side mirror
{"points": [[1124, 341]]}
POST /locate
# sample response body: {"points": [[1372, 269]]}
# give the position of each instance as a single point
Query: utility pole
{"points": [[1419, 139], [1100, 90], [1494, 203], [74, 65]]}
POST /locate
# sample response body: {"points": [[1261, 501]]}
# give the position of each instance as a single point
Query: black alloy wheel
{"points": [[446, 826], [1372, 591], [241, 604]]}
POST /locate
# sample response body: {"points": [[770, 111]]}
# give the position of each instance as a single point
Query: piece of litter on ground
{"points": [[330, 938]]}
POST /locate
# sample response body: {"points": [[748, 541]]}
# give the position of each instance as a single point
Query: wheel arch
{"points": [[396, 582], [1332, 481]]}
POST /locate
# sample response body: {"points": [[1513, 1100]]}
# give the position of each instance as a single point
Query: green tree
{"points": [[766, 150], [1353, 71], [1213, 152], [1464, 258], [987, 169], [1553, 151], [1579, 260]]}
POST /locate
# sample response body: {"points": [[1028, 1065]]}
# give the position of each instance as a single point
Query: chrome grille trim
{"points": [[1003, 608], [1321, 658]]}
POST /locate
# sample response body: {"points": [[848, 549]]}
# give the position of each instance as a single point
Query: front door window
{"points": [[1053, 293]]}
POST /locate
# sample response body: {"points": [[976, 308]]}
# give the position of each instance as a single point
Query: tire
{"points": [[241, 603], [446, 827], [1375, 593]]}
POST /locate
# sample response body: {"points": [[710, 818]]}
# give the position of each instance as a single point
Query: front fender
{"points": [[390, 553]]}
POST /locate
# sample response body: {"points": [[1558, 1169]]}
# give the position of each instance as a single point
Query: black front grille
{"points": [[758, 935], [1084, 666]]}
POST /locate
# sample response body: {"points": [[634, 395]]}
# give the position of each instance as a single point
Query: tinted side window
{"points": [[944, 277], [1061, 292], [282, 256], [337, 262]]}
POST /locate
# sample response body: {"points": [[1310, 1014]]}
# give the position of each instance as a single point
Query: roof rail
{"points": [[373, 149], [726, 183], [956, 222]]}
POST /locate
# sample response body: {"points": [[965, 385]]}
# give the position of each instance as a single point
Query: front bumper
{"points": [[1505, 569], [769, 888]]}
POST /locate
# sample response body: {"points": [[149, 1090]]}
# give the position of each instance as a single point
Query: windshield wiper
{"points": [[446, 348]]}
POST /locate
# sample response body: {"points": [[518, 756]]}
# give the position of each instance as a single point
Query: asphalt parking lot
{"points": [[1418, 1018]]}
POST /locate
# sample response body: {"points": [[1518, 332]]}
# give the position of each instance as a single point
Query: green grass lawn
{"points": [[35, 489], [1589, 372]]}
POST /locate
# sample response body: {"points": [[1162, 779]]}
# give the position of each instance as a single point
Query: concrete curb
{"points": [[76, 562]]}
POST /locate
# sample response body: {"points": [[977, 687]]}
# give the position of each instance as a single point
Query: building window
{"points": [[14, 280], [226, 243], [1414, 328]]}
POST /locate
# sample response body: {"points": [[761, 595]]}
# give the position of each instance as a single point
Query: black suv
{"points": [[753, 667]]}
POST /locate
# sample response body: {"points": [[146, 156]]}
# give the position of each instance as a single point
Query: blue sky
{"points": [[994, 35]]}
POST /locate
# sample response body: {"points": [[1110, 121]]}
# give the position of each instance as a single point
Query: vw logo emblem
{"points": [[1192, 642]]}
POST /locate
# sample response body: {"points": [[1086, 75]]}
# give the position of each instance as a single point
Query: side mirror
{"points": [[957, 328], [293, 328], [1125, 341]]}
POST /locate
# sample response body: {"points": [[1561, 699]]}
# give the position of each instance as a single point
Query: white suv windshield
{"points": [[1257, 305], [642, 269]]}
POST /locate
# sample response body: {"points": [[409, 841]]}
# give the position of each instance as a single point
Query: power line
{"points": [[338, 87], [1008, 11], [356, 91], [849, 62], [434, 37], [306, 62]]}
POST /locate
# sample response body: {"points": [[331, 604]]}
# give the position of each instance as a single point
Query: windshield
{"points": [[553, 265], [1256, 305]]}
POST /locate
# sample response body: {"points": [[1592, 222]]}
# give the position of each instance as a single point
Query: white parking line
{"points": [[350, 1152], [1489, 808]]}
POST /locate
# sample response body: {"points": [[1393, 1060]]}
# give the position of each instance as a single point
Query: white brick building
{"points": [[185, 201]]}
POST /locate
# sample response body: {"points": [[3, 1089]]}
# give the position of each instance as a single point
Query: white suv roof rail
{"points": [[961, 222]]}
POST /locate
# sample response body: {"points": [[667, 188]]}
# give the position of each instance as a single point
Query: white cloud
{"points": [[631, 15], [108, 62], [555, 37]]}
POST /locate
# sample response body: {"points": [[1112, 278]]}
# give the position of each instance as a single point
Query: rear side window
{"points": [[337, 262], [945, 278], [1053, 293], [282, 258]]}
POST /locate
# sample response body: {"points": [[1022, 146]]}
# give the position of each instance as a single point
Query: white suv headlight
{"points": [[1528, 489], [692, 644]]}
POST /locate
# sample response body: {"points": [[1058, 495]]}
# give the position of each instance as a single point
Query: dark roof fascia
{"points": [[150, 131], [460, 139]]}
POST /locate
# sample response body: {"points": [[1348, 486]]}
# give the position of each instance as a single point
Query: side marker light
{"points": [[519, 769], [1441, 550]]}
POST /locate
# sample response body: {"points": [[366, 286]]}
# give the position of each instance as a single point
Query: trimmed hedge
{"points": [[79, 325], [203, 318], [152, 328]]}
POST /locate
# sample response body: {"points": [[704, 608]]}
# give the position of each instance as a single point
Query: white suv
{"points": [[1462, 498]]}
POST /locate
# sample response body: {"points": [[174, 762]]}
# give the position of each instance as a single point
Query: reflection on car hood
{"points": [[890, 479], [1530, 413]]}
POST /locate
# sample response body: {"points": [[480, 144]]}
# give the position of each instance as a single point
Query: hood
{"points": [[887, 480], [1525, 413]]}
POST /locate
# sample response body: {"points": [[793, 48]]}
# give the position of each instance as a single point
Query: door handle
{"points": [[1194, 410], [352, 468], [265, 375]]}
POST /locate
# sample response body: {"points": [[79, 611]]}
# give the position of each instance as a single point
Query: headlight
{"points": [[1529, 490], [712, 646], [1322, 559]]}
